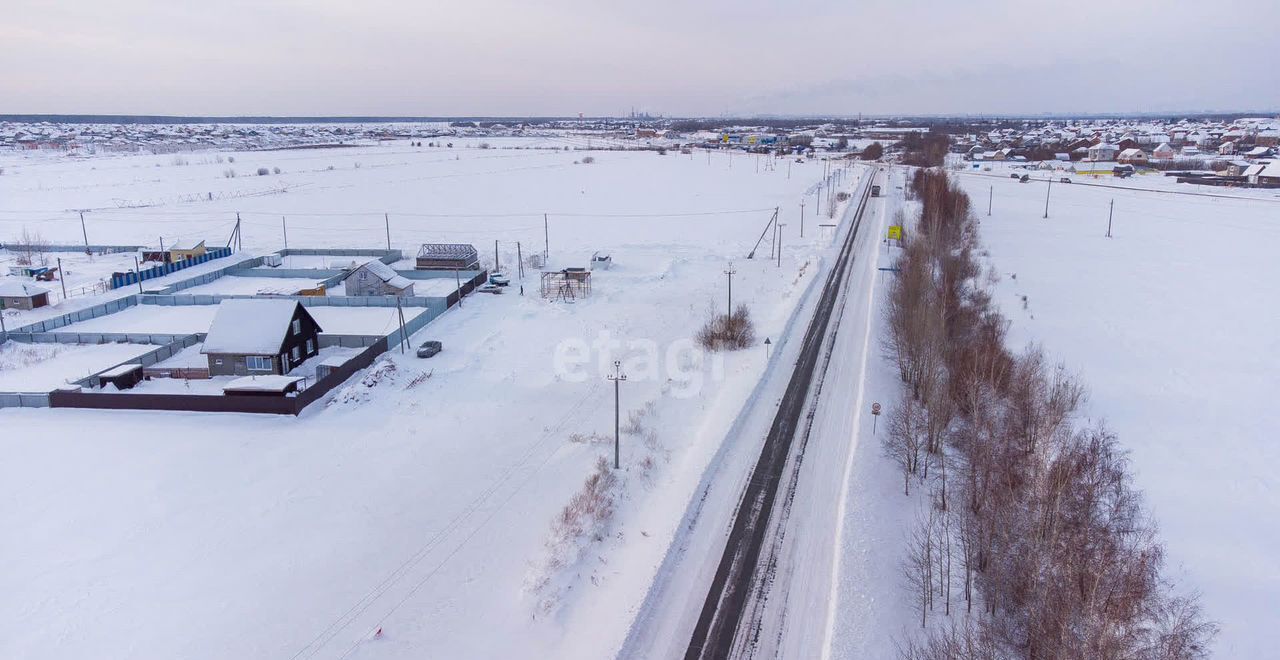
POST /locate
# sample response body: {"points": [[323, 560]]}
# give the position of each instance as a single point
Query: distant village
{"points": [[1208, 151]]}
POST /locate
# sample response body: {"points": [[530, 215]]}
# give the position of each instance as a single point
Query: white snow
{"points": [[45, 367], [419, 497], [1172, 325]]}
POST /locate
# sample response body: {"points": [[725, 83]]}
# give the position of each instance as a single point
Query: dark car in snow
{"points": [[430, 349]]}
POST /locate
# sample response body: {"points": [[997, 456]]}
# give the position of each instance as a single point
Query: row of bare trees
{"points": [[1031, 523]]}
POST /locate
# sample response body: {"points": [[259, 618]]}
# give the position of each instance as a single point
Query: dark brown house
{"points": [[256, 337]]}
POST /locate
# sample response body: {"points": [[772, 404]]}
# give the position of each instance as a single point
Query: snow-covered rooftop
{"points": [[253, 327], [384, 273], [13, 289], [269, 383]]}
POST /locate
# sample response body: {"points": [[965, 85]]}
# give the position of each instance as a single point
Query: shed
{"points": [[448, 256], [123, 377], [20, 295], [260, 336], [272, 385], [375, 278]]}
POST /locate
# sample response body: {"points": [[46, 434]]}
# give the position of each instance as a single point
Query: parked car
{"points": [[498, 279], [490, 288], [1014, 175], [1065, 179], [430, 349], [1024, 178]]}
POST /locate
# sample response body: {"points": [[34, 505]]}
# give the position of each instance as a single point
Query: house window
{"points": [[297, 326], [311, 347], [296, 353], [258, 363]]}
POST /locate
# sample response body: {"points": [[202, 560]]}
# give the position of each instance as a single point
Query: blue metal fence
{"points": [[125, 279]]}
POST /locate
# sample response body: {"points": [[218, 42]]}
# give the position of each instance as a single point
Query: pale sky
{"points": [[598, 57]]}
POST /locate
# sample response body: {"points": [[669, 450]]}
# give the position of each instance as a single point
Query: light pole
{"points": [[802, 218], [617, 377]]}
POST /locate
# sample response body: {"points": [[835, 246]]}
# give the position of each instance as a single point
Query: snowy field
{"points": [[234, 285], [45, 367], [420, 497], [189, 319], [1172, 325]]}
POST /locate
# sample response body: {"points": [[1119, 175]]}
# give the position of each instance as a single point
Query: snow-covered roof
{"points": [[269, 383], [250, 326], [13, 289], [116, 372], [386, 274], [1131, 153]]}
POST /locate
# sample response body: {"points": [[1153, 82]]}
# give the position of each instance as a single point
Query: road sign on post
{"points": [[766, 348], [875, 411], [895, 233]]}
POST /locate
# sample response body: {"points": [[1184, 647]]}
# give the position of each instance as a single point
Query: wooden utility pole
{"points": [[780, 226], [62, 277], [617, 377], [1110, 213], [546, 239], [85, 233], [137, 270], [730, 273], [991, 196], [801, 218], [284, 226], [386, 218], [1046, 198]]}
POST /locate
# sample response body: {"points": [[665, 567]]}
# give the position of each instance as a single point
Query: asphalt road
{"points": [[739, 572]]}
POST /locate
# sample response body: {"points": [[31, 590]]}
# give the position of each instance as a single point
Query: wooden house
{"points": [[260, 336]]}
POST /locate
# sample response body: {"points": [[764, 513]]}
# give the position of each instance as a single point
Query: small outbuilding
{"points": [[259, 337], [123, 377], [377, 279], [272, 385], [20, 295], [448, 256]]}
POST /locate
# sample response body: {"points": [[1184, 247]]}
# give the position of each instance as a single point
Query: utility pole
{"points": [[617, 379], [386, 218], [284, 226], [457, 283], [1046, 198], [137, 270], [802, 217], [84, 232], [520, 264], [62, 277], [404, 336], [496, 267], [546, 238], [819, 211], [1110, 213], [4, 334], [730, 273], [780, 226], [991, 196]]}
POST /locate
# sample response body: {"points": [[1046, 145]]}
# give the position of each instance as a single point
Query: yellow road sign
{"points": [[895, 232]]}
